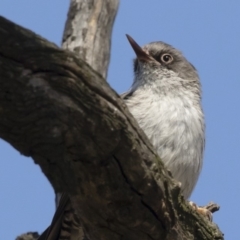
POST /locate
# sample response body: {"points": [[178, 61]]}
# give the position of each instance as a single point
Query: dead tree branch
{"points": [[88, 31]]}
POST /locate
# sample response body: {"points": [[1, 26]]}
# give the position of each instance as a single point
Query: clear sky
{"points": [[208, 33]]}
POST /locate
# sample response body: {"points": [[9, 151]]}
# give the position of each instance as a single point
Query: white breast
{"points": [[175, 126]]}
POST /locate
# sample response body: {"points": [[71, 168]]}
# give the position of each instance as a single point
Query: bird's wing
{"points": [[65, 224], [127, 94], [53, 231]]}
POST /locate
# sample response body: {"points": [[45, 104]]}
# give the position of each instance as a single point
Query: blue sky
{"points": [[208, 34]]}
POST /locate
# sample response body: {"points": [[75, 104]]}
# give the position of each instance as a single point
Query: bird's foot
{"points": [[207, 210]]}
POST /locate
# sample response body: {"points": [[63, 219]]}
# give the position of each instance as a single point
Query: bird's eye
{"points": [[166, 58]]}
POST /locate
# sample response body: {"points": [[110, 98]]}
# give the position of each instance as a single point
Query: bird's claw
{"points": [[202, 210]]}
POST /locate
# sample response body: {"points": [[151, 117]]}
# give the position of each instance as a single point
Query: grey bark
{"points": [[88, 31], [58, 110]]}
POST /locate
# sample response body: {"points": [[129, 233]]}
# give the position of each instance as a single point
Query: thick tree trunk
{"points": [[59, 111]]}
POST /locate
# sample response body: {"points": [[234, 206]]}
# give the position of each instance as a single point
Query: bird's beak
{"points": [[141, 55]]}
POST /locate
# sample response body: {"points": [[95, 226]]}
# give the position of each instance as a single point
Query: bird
{"points": [[165, 99]]}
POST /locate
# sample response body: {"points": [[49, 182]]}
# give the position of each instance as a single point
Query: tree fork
{"points": [[55, 108]]}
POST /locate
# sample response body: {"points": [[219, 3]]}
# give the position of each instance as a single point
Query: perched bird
{"points": [[165, 99]]}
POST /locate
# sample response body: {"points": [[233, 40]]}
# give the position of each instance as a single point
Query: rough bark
{"points": [[88, 31], [56, 109]]}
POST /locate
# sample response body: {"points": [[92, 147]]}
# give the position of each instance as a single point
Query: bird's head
{"points": [[160, 63]]}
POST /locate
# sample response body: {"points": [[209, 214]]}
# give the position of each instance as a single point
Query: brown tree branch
{"points": [[56, 109]]}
